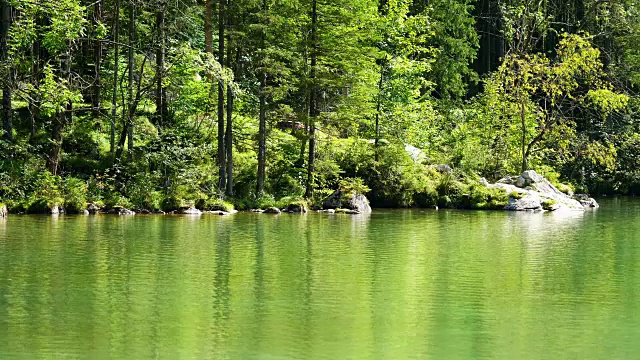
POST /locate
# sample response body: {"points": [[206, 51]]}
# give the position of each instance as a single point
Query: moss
{"points": [[215, 204], [548, 204], [567, 189], [516, 195]]}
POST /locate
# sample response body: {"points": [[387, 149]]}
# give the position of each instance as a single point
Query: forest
{"points": [[214, 104]]}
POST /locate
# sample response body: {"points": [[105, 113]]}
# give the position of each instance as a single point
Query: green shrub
{"points": [[567, 189], [516, 195], [484, 198], [75, 195], [548, 204], [217, 204]]}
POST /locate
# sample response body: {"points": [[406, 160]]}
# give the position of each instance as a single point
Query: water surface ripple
{"points": [[397, 284]]}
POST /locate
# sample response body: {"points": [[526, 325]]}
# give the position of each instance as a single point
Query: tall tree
{"points": [[116, 60], [222, 177], [7, 91], [161, 91], [313, 100]]}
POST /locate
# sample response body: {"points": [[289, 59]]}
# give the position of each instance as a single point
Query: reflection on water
{"points": [[395, 284]]}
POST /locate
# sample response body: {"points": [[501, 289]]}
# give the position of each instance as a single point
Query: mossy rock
{"points": [[516, 195], [549, 205], [297, 207], [216, 205], [271, 210], [43, 206]]}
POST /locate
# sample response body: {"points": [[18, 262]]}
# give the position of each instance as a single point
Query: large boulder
{"points": [[271, 210], [340, 199], [118, 210], [93, 209], [189, 211], [532, 192], [586, 201], [529, 202], [3, 211], [297, 207]]}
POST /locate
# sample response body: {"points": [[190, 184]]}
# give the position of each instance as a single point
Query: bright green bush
{"points": [[216, 204], [75, 195]]}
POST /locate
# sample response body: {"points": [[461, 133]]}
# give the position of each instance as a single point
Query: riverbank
{"points": [[529, 191]]}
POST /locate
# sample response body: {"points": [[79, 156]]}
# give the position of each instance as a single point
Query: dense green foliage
{"points": [[153, 104]]}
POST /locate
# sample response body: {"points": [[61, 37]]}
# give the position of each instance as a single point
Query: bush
{"points": [[216, 204], [548, 204], [75, 195], [516, 195]]}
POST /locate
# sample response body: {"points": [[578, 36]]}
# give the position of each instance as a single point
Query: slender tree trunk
{"points": [[228, 138], [7, 91], [116, 57], [161, 92], [524, 136], [378, 108], [60, 120], [208, 26], [262, 137], [34, 105], [56, 143], [262, 128], [132, 36], [222, 177], [97, 60], [313, 106]]}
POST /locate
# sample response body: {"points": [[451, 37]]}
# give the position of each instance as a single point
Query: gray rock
{"points": [[190, 211], [416, 154], [85, 212], [532, 191], [529, 202], [443, 168], [296, 208], [529, 177], [339, 199], [330, 211], [272, 210], [121, 211], [55, 210], [219, 212], [93, 209], [586, 201], [3, 212], [509, 180]]}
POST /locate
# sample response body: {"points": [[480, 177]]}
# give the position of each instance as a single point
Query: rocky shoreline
{"points": [[532, 192], [527, 192]]}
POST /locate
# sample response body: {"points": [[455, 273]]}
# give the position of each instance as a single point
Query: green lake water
{"points": [[393, 285]]}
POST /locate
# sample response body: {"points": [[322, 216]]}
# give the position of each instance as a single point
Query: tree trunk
{"points": [[60, 120], [132, 36], [7, 18], [222, 177], [313, 106], [97, 60], [378, 109], [262, 127], [524, 136], [116, 56], [228, 138], [161, 91], [56, 142], [208, 26], [262, 137]]}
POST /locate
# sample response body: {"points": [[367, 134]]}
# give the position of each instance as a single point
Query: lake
{"points": [[393, 285]]}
